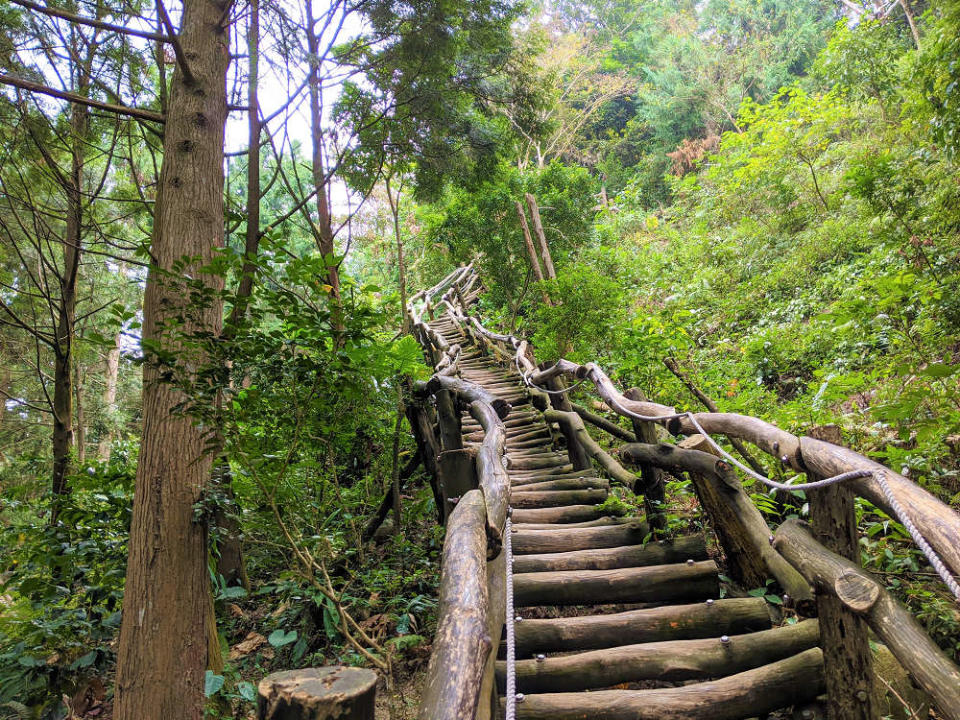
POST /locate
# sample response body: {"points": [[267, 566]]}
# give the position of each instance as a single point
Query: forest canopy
{"points": [[213, 214]]}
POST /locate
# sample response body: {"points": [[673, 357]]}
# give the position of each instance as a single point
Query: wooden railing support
{"points": [[456, 463], [652, 479], [864, 595], [345, 693], [847, 659], [572, 425], [741, 530]]}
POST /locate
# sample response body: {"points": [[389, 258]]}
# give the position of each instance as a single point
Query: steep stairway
{"points": [[608, 623]]}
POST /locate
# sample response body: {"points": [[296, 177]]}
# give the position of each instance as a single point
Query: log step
{"points": [[558, 498], [654, 584], [670, 622], [562, 484], [671, 660], [571, 514], [692, 547], [747, 694], [566, 540], [599, 522]]}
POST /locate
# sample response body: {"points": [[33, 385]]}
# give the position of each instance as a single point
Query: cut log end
{"points": [[856, 591], [316, 693]]}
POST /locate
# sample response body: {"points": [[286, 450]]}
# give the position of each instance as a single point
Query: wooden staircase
{"points": [[610, 624]]}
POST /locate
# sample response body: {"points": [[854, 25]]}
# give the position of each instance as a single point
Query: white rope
{"points": [[510, 711], [898, 510]]}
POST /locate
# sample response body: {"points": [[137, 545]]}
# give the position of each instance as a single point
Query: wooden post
{"points": [[541, 236], [847, 660], [560, 401], [896, 627], [456, 463], [429, 449], [345, 693], [651, 479], [461, 300]]}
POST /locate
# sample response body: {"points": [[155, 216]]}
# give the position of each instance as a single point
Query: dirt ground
{"points": [[402, 701]]}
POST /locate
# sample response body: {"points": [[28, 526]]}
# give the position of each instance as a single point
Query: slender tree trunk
{"points": [[230, 560], [67, 309], [401, 268], [531, 251], [320, 181], [111, 372], [4, 393], [395, 469], [541, 236], [80, 434], [910, 21], [163, 650]]}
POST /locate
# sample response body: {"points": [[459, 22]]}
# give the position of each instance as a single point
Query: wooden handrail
{"points": [[472, 592]]}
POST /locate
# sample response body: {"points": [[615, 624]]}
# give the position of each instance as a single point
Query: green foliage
{"points": [[590, 314], [483, 224], [64, 587]]}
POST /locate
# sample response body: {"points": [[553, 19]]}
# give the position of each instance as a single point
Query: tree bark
{"points": [[163, 651]]}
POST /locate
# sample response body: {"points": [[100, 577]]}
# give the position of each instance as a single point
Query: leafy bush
{"points": [[64, 587]]}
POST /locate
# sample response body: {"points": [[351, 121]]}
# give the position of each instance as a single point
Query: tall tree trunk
{"points": [[541, 236], [67, 307], [320, 181], [111, 372], [231, 565], [5, 376], [163, 648]]}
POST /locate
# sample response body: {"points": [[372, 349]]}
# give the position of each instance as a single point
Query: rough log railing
{"points": [[472, 603], [812, 571]]}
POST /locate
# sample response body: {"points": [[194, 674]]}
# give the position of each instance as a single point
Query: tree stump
{"points": [[343, 693]]}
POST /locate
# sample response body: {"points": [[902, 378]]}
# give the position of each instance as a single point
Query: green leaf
{"points": [[212, 683], [773, 599], [233, 592], [84, 661], [247, 691], [278, 638], [331, 619]]}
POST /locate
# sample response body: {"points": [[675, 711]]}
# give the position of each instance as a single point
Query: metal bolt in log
{"points": [[344, 693]]}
